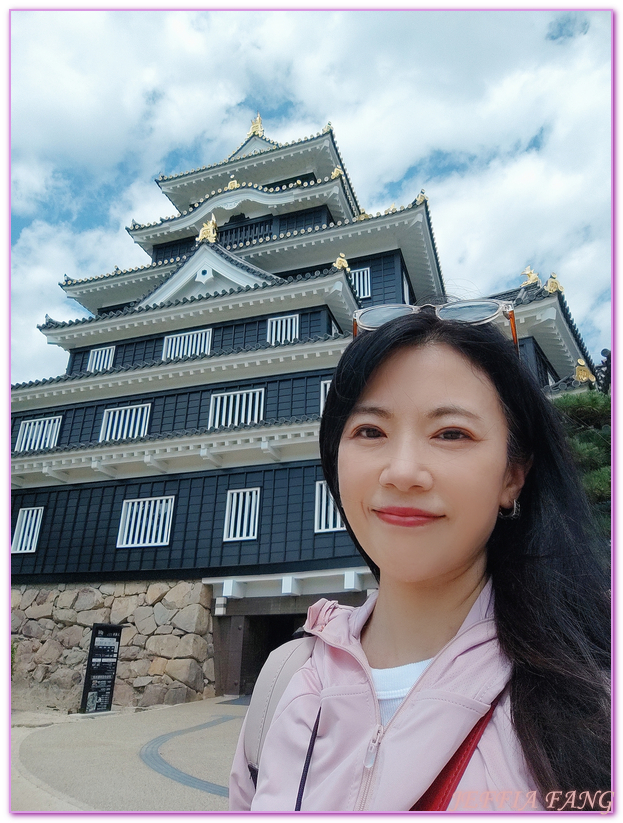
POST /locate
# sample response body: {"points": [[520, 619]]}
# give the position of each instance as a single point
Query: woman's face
{"points": [[423, 465]]}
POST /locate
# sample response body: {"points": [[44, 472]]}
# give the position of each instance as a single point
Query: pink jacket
{"points": [[358, 764]]}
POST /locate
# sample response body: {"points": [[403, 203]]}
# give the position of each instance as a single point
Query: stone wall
{"points": [[166, 654]]}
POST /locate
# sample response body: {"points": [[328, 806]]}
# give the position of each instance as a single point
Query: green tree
{"points": [[586, 418]]}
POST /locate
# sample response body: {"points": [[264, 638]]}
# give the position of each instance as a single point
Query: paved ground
{"points": [[173, 758]]}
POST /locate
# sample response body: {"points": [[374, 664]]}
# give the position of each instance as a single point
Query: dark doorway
{"points": [[263, 634]]}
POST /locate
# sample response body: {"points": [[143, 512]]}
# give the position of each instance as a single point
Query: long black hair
{"points": [[552, 606]]}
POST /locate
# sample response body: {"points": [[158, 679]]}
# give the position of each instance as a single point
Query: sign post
{"points": [[99, 680]]}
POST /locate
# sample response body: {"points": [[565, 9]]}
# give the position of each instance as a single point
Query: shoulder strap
{"points": [[276, 673]]}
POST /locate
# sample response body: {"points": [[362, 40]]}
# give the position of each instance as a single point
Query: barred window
{"points": [[361, 282], [242, 514], [27, 530], [236, 408], [101, 359], [125, 422], [325, 385], [327, 517], [187, 343], [282, 329], [145, 522], [41, 433]]}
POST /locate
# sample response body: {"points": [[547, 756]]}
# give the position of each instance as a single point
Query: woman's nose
{"points": [[406, 468]]}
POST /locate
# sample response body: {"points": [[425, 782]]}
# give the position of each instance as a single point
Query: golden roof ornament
{"points": [[582, 373], [533, 277], [342, 262], [337, 172], [256, 127], [422, 196], [233, 184], [327, 128], [208, 231], [553, 284]]}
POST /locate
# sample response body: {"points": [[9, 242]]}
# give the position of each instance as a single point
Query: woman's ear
{"points": [[514, 480]]}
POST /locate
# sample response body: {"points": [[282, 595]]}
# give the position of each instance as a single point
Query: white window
{"points": [[282, 329], [183, 345], [27, 530], [242, 514], [38, 434], [405, 290], [101, 359], [125, 422], [145, 522], [334, 328], [236, 408], [327, 517], [361, 282], [325, 385]]}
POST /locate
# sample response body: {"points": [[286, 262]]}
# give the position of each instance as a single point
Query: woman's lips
{"points": [[399, 516]]}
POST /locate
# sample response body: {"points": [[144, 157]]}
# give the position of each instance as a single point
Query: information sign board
{"points": [[99, 680]]}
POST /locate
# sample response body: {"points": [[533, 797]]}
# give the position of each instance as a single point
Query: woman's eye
{"points": [[453, 434], [368, 432]]}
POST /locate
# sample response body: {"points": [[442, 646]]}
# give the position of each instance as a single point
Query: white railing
{"points": [[187, 343], [282, 329], [38, 434], [325, 385], [327, 517], [242, 514], [236, 408], [125, 422], [361, 282], [101, 359], [27, 530], [145, 522]]}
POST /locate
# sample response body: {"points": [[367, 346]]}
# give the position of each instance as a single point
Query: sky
{"points": [[503, 117]]}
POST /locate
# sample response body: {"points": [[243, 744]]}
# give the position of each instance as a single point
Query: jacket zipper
{"points": [[368, 765]]}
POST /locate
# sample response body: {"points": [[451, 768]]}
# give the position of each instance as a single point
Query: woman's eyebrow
{"points": [[444, 411], [379, 411]]}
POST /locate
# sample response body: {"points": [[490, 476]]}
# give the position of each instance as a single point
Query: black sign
{"points": [[99, 680]]}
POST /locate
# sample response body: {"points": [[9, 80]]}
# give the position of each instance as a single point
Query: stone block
{"points": [[136, 587], [164, 629], [191, 645], [88, 618], [40, 673], [144, 619], [139, 640], [50, 652], [176, 695], [163, 645], [35, 612], [178, 632], [89, 598], [74, 657], [16, 598], [129, 652], [140, 668], [155, 593], [208, 692], [70, 636], [47, 625], [30, 628], [176, 598], [28, 598], [17, 619], [208, 670], [108, 601], [162, 615], [119, 589], [123, 694], [128, 633], [124, 672], [66, 599], [193, 619], [108, 588], [122, 608], [141, 682], [45, 596], [157, 666], [67, 616], [187, 671], [153, 695], [65, 678]]}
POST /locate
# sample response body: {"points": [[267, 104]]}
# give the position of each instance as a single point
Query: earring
{"points": [[513, 515]]}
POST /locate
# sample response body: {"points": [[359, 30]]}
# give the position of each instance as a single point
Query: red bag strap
{"points": [[439, 794]]}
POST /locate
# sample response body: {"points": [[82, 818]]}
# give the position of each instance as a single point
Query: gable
{"points": [[254, 143], [206, 273]]}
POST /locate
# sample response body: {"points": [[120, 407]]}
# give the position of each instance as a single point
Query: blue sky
{"points": [[502, 117]]}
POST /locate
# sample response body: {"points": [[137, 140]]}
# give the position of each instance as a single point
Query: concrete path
{"points": [[167, 758]]}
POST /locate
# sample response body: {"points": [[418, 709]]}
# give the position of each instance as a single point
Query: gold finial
{"points": [[327, 128], [390, 209], [533, 277], [337, 172], [583, 373], [422, 196], [256, 127], [208, 231], [233, 184], [342, 262], [553, 285]]}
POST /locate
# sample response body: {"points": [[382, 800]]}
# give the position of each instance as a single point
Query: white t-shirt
{"points": [[393, 685]]}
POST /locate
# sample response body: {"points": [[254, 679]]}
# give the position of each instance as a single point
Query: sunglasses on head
{"points": [[466, 311]]}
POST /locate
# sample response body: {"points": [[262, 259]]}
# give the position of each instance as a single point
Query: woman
{"points": [[452, 476]]}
